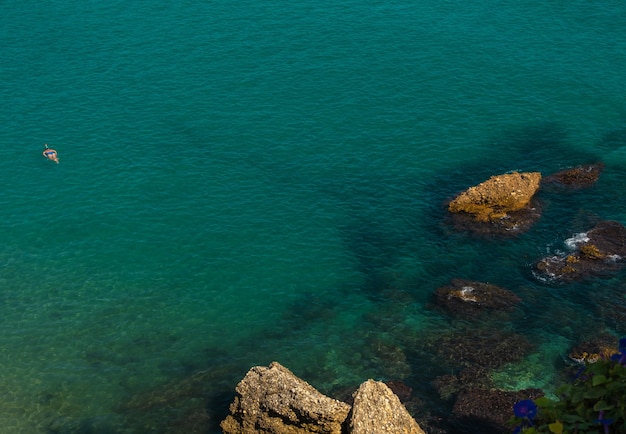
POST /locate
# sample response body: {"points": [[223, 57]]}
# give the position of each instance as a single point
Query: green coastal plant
{"points": [[594, 403]]}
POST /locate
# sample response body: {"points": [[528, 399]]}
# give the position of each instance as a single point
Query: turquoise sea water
{"points": [[242, 182]]}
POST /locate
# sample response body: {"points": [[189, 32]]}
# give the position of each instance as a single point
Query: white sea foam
{"points": [[614, 258], [574, 242]]}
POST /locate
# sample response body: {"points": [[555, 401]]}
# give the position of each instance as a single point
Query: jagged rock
{"points": [[577, 177], [501, 204], [377, 409], [601, 250], [468, 298], [273, 400]]}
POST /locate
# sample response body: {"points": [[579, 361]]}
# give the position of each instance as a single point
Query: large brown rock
{"points": [[377, 409], [500, 195], [273, 400]]}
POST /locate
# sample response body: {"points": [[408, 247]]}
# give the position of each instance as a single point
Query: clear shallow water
{"points": [[254, 182]]}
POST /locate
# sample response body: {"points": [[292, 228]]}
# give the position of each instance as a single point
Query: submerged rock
{"points": [[502, 204], [577, 177], [475, 346], [377, 409], [273, 400], [468, 298], [487, 411], [597, 252]]}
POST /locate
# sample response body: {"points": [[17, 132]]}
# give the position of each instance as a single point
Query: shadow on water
{"points": [[613, 140], [389, 218]]}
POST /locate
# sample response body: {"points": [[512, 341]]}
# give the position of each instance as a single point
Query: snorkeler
{"points": [[50, 154]]}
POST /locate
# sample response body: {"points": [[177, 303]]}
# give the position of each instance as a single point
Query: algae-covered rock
{"points": [[575, 177], [488, 411], [468, 298]]}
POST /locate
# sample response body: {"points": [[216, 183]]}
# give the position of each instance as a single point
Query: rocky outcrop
{"points": [[498, 196], [377, 409], [272, 400], [601, 250], [576, 177], [468, 298], [501, 204]]}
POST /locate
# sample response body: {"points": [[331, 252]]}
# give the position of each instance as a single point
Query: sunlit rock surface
{"points": [[502, 204]]}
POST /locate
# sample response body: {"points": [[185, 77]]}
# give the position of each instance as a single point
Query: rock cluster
{"points": [[505, 204], [272, 400], [601, 250]]}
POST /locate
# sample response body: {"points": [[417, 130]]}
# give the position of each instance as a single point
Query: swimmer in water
{"points": [[50, 154]]}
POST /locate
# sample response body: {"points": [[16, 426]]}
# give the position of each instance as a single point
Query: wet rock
{"points": [[597, 252], [273, 400], [575, 178], [468, 298], [487, 411], [601, 346], [502, 204], [377, 409]]}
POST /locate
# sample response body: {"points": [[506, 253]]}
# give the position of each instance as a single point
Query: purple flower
{"points": [[621, 356], [579, 373], [603, 421], [525, 408]]}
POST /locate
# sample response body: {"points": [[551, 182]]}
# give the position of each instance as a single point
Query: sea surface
{"points": [[256, 181]]}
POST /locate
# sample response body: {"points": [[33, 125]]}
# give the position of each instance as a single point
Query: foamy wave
{"points": [[545, 277], [574, 242]]}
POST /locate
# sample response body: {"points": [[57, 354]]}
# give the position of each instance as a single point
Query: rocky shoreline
{"points": [[273, 400]]}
